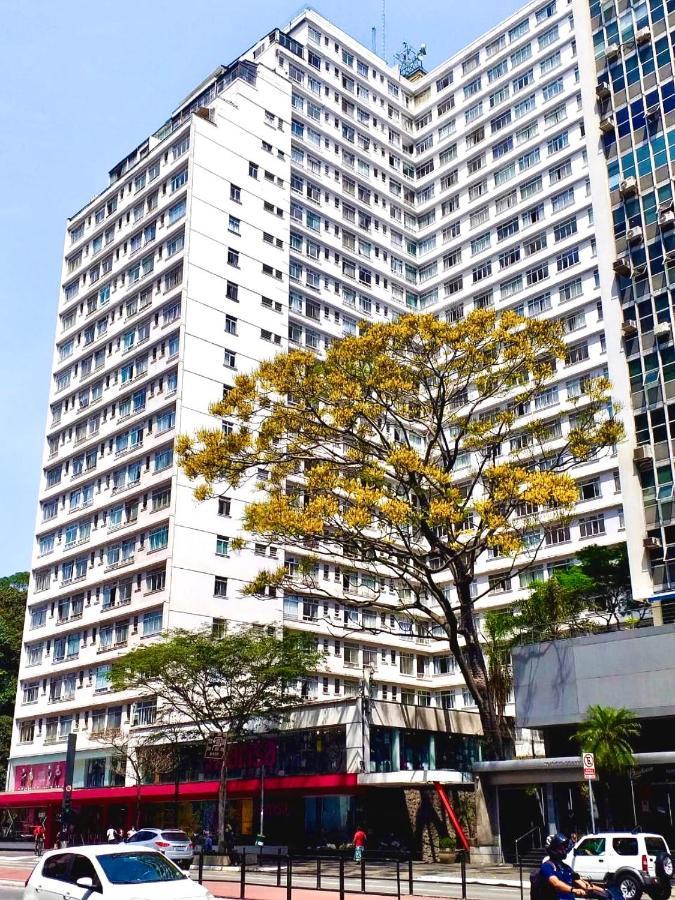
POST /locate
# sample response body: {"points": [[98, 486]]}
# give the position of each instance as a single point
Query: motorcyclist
{"points": [[562, 879]]}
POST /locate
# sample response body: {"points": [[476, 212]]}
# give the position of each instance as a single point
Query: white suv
{"points": [[635, 863]]}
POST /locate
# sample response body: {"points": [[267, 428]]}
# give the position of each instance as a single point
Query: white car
{"points": [[636, 863], [110, 871]]}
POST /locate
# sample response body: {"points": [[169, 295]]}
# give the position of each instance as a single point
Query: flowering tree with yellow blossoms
{"points": [[408, 452]]}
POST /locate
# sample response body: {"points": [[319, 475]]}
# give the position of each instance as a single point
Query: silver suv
{"points": [[635, 863], [174, 844]]}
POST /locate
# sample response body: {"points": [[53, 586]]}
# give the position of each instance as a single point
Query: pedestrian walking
{"points": [[359, 842], [229, 844], [111, 835]]}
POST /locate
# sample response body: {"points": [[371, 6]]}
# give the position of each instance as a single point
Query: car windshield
{"points": [[178, 836], [138, 868]]}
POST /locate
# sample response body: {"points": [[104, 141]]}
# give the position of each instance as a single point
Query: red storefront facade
{"points": [[117, 806]]}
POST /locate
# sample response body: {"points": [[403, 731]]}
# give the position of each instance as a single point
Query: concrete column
{"points": [[355, 739], [550, 807], [432, 750], [395, 750], [657, 612], [487, 822]]}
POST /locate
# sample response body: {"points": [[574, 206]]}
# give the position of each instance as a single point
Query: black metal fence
{"points": [[389, 874]]}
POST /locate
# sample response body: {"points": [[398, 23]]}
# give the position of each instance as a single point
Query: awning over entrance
{"points": [[532, 771], [553, 770], [413, 779]]}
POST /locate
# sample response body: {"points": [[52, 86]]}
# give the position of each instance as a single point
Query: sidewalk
{"points": [[503, 875], [224, 882], [265, 892]]}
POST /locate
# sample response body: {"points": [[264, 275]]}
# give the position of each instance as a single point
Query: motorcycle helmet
{"points": [[558, 846]]}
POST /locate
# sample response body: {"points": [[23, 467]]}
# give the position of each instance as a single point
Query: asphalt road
{"points": [[11, 893]]}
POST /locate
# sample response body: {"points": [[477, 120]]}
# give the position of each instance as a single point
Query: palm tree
{"points": [[608, 732]]}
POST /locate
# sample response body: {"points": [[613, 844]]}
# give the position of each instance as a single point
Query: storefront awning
{"points": [[189, 790]]}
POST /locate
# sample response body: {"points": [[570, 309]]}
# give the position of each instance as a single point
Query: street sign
{"points": [[588, 760], [215, 746]]}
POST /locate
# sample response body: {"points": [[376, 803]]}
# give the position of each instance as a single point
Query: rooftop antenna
{"points": [[373, 39], [384, 30], [410, 60]]}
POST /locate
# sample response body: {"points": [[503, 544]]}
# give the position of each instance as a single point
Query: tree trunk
{"points": [[472, 664], [222, 800]]}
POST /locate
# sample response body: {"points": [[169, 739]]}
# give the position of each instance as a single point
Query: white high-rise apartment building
{"points": [[302, 190]]}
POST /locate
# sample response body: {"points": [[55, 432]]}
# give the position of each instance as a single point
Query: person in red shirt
{"points": [[39, 838], [359, 842]]}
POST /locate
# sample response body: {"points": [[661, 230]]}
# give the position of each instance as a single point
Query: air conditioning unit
{"points": [[643, 455], [612, 52], [670, 257], [666, 206], [634, 234], [652, 543], [653, 111], [607, 124], [667, 218], [643, 36], [640, 270], [629, 328], [602, 90], [663, 330], [622, 265], [628, 186]]}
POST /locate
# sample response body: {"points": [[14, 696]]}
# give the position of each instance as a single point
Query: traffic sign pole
{"points": [[588, 762]]}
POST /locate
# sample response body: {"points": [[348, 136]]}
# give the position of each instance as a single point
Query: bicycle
{"points": [[39, 846]]}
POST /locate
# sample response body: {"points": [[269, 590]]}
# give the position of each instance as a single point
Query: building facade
{"points": [[635, 87], [304, 189]]}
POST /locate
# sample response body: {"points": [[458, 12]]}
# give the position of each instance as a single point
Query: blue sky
{"points": [[81, 84]]}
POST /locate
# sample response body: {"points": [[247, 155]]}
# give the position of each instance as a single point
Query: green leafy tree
{"points": [[220, 685], [405, 452], [553, 609], [141, 757], [610, 596], [13, 592]]}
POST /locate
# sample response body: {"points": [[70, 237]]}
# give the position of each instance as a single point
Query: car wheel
{"points": [[629, 885], [662, 891], [664, 866]]}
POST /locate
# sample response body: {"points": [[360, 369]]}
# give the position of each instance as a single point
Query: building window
{"points": [[235, 193], [224, 504], [592, 526], [152, 622], [222, 545], [220, 587]]}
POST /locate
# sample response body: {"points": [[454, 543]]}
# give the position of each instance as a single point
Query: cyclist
{"points": [[39, 838]]}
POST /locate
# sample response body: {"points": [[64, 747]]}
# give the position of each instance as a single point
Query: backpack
{"points": [[540, 887]]}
